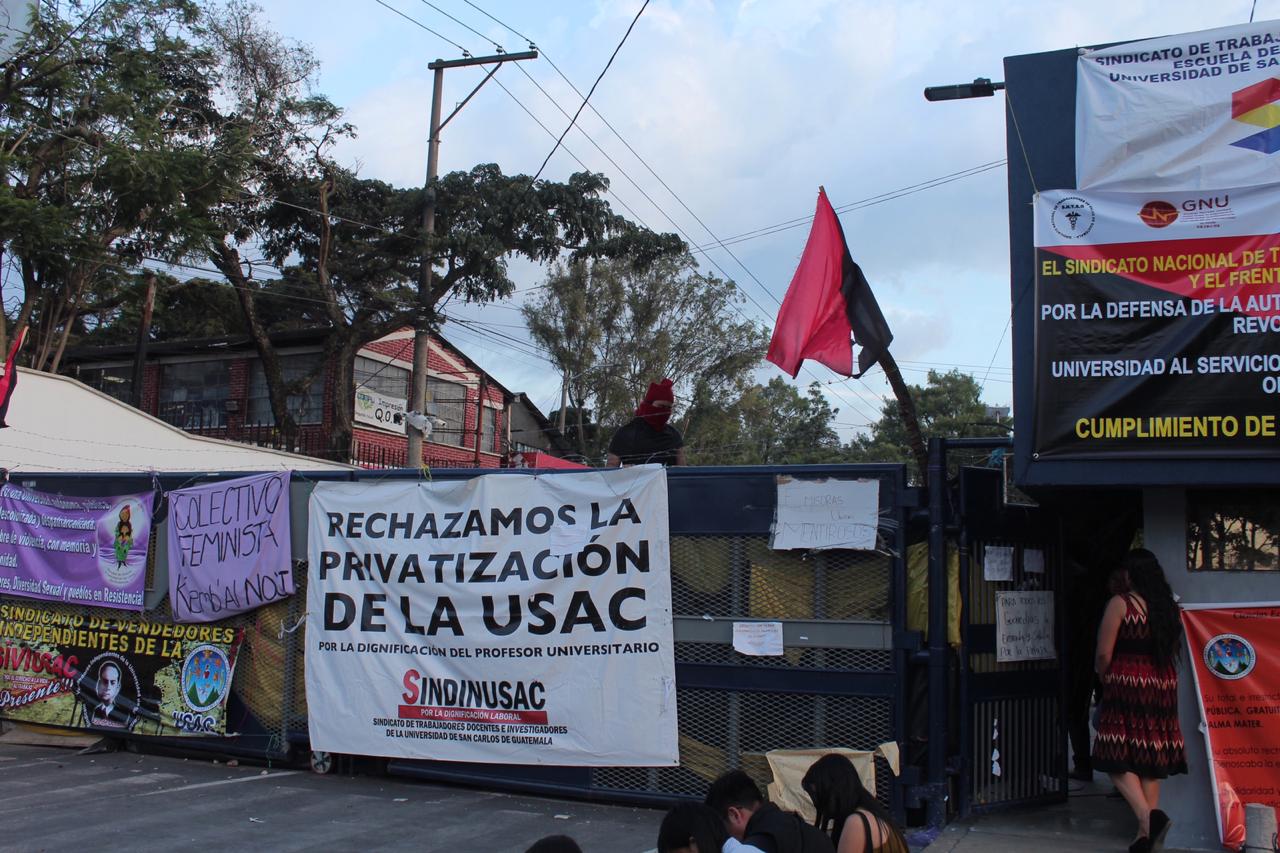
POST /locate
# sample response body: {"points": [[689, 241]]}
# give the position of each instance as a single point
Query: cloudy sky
{"points": [[741, 109]]}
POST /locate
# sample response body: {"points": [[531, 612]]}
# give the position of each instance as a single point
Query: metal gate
{"points": [[839, 684], [1013, 740]]}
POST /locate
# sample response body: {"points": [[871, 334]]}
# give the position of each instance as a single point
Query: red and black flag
{"points": [[828, 300], [9, 376]]}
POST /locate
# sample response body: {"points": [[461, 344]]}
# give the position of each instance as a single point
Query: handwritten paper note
{"points": [[758, 639], [1033, 561], [829, 513], [1024, 626], [997, 563]]}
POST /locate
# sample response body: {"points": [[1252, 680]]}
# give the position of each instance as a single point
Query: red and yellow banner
{"points": [[1235, 657]]}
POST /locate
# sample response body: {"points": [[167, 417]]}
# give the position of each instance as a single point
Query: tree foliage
{"points": [[611, 327], [771, 424], [949, 405], [186, 131]]}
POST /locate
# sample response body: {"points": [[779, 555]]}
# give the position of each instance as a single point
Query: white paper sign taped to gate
{"points": [[443, 624], [1195, 111], [1024, 626], [826, 513]]}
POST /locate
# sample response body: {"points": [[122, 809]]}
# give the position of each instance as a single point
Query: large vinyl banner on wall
{"points": [[101, 672], [1235, 657], [82, 551], [1157, 324], [506, 618], [1195, 111]]}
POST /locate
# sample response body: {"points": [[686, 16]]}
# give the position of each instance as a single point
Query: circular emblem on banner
{"points": [[1229, 656], [206, 675], [1158, 214], [1073, 217]]}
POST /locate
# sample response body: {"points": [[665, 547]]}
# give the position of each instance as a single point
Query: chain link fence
{"points": [[813, 695]]}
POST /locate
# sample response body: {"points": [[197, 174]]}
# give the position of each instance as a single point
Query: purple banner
{"points": [[90, 551], [229, 547]]}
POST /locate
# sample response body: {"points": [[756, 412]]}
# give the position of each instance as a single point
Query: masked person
{"points": [[648, 437]]}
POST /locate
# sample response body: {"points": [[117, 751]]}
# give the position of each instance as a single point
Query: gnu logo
{"points": [[1158, 214], [1072, 218]]}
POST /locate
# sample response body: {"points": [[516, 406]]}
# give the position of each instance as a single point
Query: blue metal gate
{"points": [[839, 684]]}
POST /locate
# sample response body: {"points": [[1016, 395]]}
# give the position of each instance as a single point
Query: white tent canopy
{"points": [[57, 424]]}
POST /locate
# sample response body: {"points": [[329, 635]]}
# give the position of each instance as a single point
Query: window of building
{"points": [[193, 395], [306, 408], [489, 430], [381, 378], [115, 382], [449, 402], [1235, 531]]}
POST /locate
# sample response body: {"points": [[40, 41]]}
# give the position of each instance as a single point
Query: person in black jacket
{"points": [[648, 437], [749, 819]]}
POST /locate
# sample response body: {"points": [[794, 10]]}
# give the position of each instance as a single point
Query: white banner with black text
{"points": [[506, 618]]}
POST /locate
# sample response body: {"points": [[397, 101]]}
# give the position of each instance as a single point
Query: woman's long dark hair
{"points": [[692, 822], [1146, 578], [837, 791]]}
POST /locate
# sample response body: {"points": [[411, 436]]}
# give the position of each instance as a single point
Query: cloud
{"points": [[744, 109]]}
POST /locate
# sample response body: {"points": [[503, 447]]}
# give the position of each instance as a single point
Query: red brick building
{"points": [[216, 387]]}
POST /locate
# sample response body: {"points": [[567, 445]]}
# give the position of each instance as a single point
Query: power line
{"points": [[592, 91], [464, 25], [765, 312], [870, 201], [673, 193], [424, 26]]}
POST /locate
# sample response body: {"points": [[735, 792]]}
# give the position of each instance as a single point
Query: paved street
{"points": [[1090, 822], [56, 799]]}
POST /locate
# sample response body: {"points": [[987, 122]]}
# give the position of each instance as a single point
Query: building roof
{"points": [[313, 336], [545, 425], [58, 424]]}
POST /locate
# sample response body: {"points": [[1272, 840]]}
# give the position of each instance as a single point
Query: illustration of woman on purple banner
{"points": [[120, 530]]}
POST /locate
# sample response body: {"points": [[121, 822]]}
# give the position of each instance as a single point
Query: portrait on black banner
{"points": [[108, 691]]}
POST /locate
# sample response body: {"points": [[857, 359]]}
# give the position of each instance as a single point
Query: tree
{"points": [[196, 308], [350, 249], [186, 130], [771, 424], [107, 156], [949, 405], [611, 327]]}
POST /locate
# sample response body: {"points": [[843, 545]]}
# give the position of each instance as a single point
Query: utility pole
{"points": [[422, 324], [564, 403]]}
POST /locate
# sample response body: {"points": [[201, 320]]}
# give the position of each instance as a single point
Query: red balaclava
{"points": [[656, 406]]}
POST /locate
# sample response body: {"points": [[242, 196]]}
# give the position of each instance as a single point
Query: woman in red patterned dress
{"points": [[1139, 741]]}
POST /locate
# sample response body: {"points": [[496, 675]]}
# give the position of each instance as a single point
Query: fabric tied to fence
{"points": [[229, 547], [789, 766], [505, 619], [115, 675], [81, 551]]}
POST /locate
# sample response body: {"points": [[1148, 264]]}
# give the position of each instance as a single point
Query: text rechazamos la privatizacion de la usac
{"points": [[539, 614]]}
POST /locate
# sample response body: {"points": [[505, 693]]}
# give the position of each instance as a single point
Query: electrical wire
{"points": [[592, 90], [870, 201], [767, 314], [357, 223], [758, 232], [424, 26]]}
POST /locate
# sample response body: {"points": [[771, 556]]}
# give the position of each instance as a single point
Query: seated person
{"points": [[737, 801]]}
